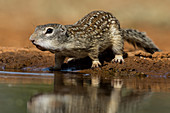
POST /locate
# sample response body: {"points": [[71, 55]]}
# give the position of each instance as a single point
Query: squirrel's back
{"points": [[93, 25]]}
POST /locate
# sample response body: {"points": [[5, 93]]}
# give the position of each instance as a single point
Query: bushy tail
{"points": [[140, 40]]}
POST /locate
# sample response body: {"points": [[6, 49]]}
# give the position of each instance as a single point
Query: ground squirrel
{"points": [[90, 36]]}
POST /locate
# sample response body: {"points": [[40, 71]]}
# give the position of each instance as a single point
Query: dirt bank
{"points": [[137, 62]]}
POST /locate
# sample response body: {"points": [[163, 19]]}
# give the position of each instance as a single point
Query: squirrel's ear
{"points": [[63, 29]]}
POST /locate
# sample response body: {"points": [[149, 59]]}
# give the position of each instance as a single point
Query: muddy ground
{"points": [[136, 63]]}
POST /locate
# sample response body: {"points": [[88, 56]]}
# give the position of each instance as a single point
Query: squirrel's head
{"points": [[49, 36]]}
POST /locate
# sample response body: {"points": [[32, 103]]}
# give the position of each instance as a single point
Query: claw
{"points": [[95, 64], [118, 58], [70, 59]]}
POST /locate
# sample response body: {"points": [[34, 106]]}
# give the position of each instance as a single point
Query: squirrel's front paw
{"points": [[95, 64], [118, 58]]}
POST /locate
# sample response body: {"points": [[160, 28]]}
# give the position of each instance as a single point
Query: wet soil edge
{"points": [[136, 63]]}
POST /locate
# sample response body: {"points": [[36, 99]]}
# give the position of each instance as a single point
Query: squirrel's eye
{"points": [[49, 31]]}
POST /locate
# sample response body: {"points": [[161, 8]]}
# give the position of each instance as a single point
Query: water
{"points": [[60, 92]]}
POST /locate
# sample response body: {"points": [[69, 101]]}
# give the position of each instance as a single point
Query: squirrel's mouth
{"points": [[40, 47]]}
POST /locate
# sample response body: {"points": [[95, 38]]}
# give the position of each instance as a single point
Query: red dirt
{"points": [[138, 62]]}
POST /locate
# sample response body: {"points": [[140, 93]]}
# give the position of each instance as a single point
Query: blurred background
{"points": [[20, 17]]}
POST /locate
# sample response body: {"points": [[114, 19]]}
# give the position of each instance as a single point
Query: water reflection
{"points": [[81, 94]]}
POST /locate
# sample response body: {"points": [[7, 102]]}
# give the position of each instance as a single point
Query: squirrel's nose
{"points": [[32, 38]]}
